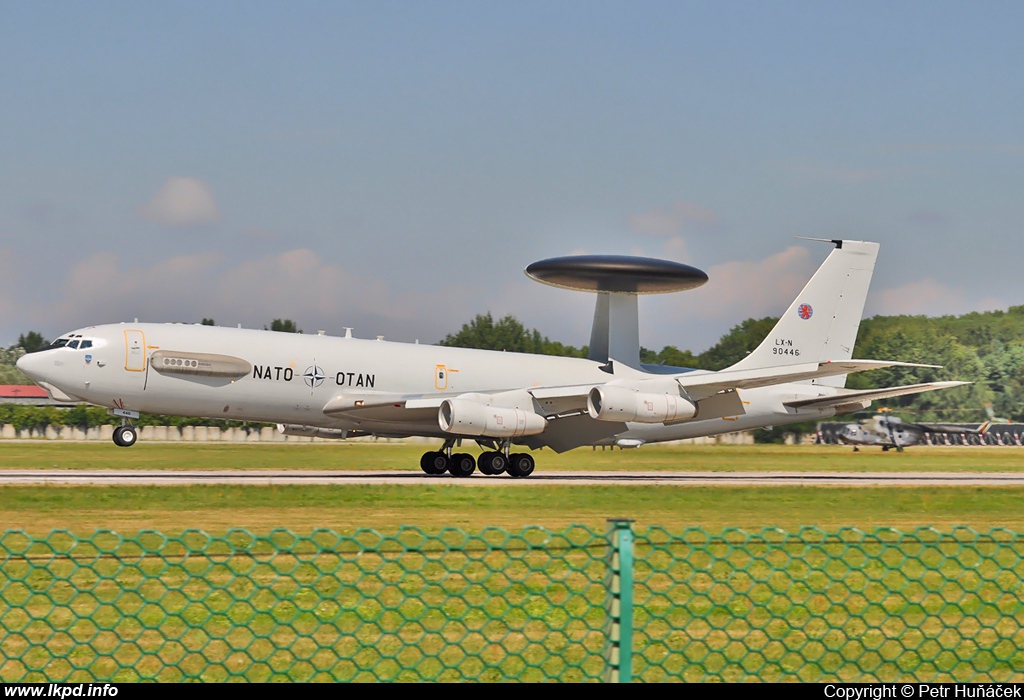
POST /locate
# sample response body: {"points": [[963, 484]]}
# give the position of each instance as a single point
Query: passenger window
{"points": [[85, 344], [73, 345]]}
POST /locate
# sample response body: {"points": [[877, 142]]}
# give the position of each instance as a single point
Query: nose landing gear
{"points": [[125, 436]]}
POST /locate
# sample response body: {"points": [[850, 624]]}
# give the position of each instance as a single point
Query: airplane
{"points": [[888, 431], [342, 387]]}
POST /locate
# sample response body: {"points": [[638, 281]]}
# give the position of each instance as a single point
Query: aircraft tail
{"points": [[992, 420], [822, 322]]}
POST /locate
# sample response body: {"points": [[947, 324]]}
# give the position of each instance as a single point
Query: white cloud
{"points": [[299, 285], [296, 284], [735, 291], [928, 297], [847, 175], [692, 320], [671, 221], [925, 217], [745, 288], [182, 201], [675, 248]]}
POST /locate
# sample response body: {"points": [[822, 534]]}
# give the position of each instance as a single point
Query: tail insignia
{"points": [[805, 311]]}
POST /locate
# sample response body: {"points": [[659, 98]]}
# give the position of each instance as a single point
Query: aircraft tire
{"points": [[498, 463], [484, 463], [520, 465], [125, 436], [434, 463], [462, 465]]}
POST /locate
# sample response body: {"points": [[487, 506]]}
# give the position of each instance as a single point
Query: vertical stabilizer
{"points": [[822, 322]]}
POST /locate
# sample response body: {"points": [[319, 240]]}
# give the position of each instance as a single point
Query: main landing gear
{"points": [[491, 463]]}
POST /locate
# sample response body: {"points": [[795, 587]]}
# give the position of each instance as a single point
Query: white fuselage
{"points": [[293, 377]]}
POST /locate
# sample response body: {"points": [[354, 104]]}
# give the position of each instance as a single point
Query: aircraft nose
{"points": [[30, 365]]}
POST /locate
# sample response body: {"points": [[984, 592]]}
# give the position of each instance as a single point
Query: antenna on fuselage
{"points": [[618, 280]]}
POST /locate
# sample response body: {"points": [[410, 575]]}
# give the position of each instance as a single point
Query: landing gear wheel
{"points": [[462, 465], [492, 463], [498, 462], [434, 463], [125, 436], [520, 465]]}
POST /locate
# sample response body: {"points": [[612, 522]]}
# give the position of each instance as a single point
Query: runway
{"points": [[277, 477]]}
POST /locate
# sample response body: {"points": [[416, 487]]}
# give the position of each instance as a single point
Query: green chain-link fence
{"points": [[573, 605]]}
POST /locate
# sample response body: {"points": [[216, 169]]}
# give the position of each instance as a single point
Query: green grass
{"points": [[434, 506], [346, 508], [389, 456], [707, 609]]}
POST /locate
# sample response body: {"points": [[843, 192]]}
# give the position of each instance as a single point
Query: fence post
{"points": [[620, 661]]}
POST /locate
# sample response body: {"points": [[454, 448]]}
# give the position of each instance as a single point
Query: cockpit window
{"points": [[72, 341]]}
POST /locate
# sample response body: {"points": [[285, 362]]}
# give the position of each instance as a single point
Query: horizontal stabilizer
{"points": [[851, 396], [706, 384]]}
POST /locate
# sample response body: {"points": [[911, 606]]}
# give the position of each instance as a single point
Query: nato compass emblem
{"points": [[805, 311], [88, 359], [314, 376]]}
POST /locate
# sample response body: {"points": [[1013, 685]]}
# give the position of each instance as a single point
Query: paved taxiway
{"points": [[123, 477]]}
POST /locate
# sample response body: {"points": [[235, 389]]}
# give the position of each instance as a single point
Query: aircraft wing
{"points": [[851, 396], [563, 401], [699, 386]]}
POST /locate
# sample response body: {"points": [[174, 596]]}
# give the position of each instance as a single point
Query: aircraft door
{"points": [[134, 351]]}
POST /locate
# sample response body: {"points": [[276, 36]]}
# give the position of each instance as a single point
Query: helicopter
{"points": [[888, 431]]}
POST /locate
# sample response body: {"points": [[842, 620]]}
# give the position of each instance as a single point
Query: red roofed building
{"points": [[29, 395]]}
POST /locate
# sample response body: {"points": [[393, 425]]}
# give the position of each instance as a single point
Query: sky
{"points": [[394, 166]]}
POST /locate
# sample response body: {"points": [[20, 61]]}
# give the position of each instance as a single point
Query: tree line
{"points": [[985, 348]]}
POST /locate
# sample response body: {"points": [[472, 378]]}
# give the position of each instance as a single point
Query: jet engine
{"points": [[619, 404], [467, 417]]}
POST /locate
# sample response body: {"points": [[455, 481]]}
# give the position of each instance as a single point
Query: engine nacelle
{"points": [[467, 417], [313, 431], [616, 403]]}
